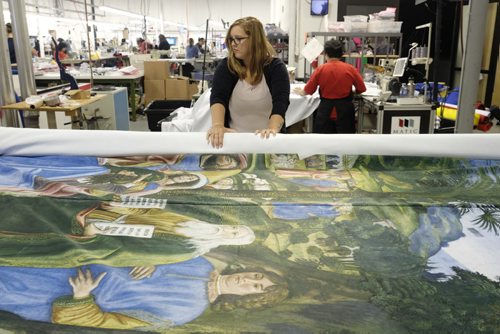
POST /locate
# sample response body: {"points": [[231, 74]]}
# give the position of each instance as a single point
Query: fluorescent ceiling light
{"points": [[51, 18], [64, 19], [120, 12], [170, 23], [126, 13]]}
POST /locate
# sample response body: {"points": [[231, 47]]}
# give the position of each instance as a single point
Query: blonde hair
{"points": [[260, 49]]}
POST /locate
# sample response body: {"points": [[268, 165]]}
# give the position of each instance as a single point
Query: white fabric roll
{"points": [[34, 102], [34, 142]]}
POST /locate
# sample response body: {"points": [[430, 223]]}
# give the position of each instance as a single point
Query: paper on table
{"points": [[129, 69], [312, 49]]}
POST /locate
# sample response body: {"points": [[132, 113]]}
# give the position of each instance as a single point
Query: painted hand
{"points": [[83, 283], [141, 272]]}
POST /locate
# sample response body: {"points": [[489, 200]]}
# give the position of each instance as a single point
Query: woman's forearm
{"points": [[218, 112], [276, 122]]}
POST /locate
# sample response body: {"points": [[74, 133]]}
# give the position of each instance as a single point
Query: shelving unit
{"points": [[376, 42], [279, 40], [281, 48]]}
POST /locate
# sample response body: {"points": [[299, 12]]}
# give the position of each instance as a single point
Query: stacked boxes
{"points": [[159, 85], [180, 88], [155, 75]]}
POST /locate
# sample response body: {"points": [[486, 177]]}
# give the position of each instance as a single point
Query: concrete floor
{"points": [[141, 124]]}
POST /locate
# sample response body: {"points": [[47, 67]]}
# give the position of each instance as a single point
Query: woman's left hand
{"points": [[266, 133]]}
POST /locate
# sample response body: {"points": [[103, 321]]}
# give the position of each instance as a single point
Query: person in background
{"points": [[251, 88], [201, 45], [192, 50], [10, 42], [62, 49], [143, 45], [335, 113], [213, 49], [61, 43], [35, 52], [495, 113], [163, 45]]}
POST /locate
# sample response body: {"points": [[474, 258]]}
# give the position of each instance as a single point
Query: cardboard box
{"points": [[154, 90], [156, 70], [180, 88], [78, 94]]}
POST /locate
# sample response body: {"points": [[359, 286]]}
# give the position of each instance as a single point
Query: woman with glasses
{"points": [[251, 88]]}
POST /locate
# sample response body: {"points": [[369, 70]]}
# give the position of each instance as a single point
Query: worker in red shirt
{"points": [[335, 113]]}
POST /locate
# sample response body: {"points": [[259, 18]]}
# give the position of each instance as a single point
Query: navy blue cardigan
{"points": [[277, 80]]}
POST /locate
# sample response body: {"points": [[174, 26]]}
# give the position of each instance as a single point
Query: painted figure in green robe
{"points": [[108, 233]]}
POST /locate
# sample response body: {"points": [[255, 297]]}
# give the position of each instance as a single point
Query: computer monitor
{"points": [[172, 40], [319, 7], [400, 67]]}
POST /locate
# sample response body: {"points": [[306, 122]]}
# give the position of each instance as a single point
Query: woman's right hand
{"points": [[215, 135]]}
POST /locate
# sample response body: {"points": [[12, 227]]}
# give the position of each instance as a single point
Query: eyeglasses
{"points": [[236, 40]]}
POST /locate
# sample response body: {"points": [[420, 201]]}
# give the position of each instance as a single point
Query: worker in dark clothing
{"points": [[163, 45], [335, 113], [10, 42]]}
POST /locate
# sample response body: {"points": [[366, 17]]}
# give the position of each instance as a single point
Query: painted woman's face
{"points": [[226, 183], [224, 161], [235, 231], [245, 283], [239, 43], [127, 173], [185, 178]]}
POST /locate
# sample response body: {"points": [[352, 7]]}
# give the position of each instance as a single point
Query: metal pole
{"points": [[471, 66], [94, 27], [204, 59], [22, 47], [437, 50], [90, 51], [7, 94]]}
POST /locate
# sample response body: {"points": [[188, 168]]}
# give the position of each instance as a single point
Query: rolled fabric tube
{"points": [[34, 102]]}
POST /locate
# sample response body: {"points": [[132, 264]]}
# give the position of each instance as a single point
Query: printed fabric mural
{"points": [[250, 243]]}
